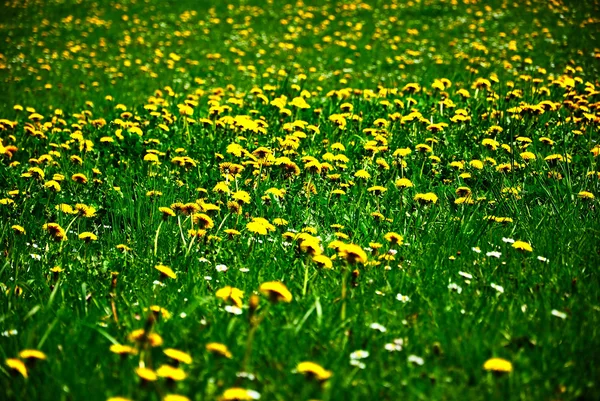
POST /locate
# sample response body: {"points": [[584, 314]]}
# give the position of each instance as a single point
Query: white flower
{"points": [[494, 254], [465, 275], [498, 288], [221, 268], [359, 354], [183, 315], [508, 240], [245, 375], [253, 394], [476, 249], [358, 364], [203, 260], [455, 287], [234, 310], [395, 346], [244, 269], [403, 298], [543, 259], [417, 360], [36, 256], [392, 251], [207, 278], [156, 282], [377, 326], [559, 314]]}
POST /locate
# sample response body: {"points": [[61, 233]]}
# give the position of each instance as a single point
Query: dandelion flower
{"points": [[498, 365], [87, 237], [352, 253], [18, 366], [313, 370], [165, 271], [146, 374], [522, 246], [219, 349], [171, 373], [232, 294], [178, 356], [276, 291]]}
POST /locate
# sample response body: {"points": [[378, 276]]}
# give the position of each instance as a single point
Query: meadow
{"points": [[311, 200]]}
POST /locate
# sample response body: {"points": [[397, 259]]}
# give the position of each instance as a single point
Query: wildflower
{"points": [[231, 294], [276, 291], [219, 349], [239, 394], [378, 327], [19, 230], [402, 298], [167, 212], [417, 360], [377, 189], [87, 237], [55, 231], [322, 261], [394, 346], [203, 220], [18, 366], [585, 195], [178, 356], [362, 174], [32, 354], [79, 178], [429, 197], [558, 314], [84, 210], [147, 375], [165, 271], [313, 370], [352, 253], [394, 238], [498, 365], [170, 373], [522, 246], [175, 397], [402, 183], [123, 349]]}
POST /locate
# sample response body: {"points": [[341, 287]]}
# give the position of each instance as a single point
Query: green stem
{"points": [[156, 237]]}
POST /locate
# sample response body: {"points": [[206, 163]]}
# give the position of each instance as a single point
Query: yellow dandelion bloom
{"points": [[146, 374], [88, 236], [276, 291], [585, 195], [219, 349], [32, 354], [178, 356], [498, 365], [232, 294], [313, 370], [166, 271], [17, 365], [522, 246], [171, 373], [322, 261], [352, 253]]}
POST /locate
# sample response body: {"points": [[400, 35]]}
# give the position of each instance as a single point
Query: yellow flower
{"points": [[32, 354], [88, 236], [429, 197], [53, 185], [85, 210], [178, 356], [219, 349], [171, 373], [80, 178], [522, 246], [585, 195], [312, 370], [123, 349], [362, 174], [175, 397], [394, 238], [165, 271], [404, 183], [232, 294], [55, 231], [276, 291], [17, 365], [239, 394], [322, 261], [498, 365], [118, 399], [203, 220], [18, 229], [146, 374], [166, 211], [352, 253]]}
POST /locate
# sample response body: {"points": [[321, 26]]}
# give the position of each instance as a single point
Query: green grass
{"points": [[539, 310]]}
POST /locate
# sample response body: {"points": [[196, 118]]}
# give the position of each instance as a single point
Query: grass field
{"points": [[392, 200]]}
